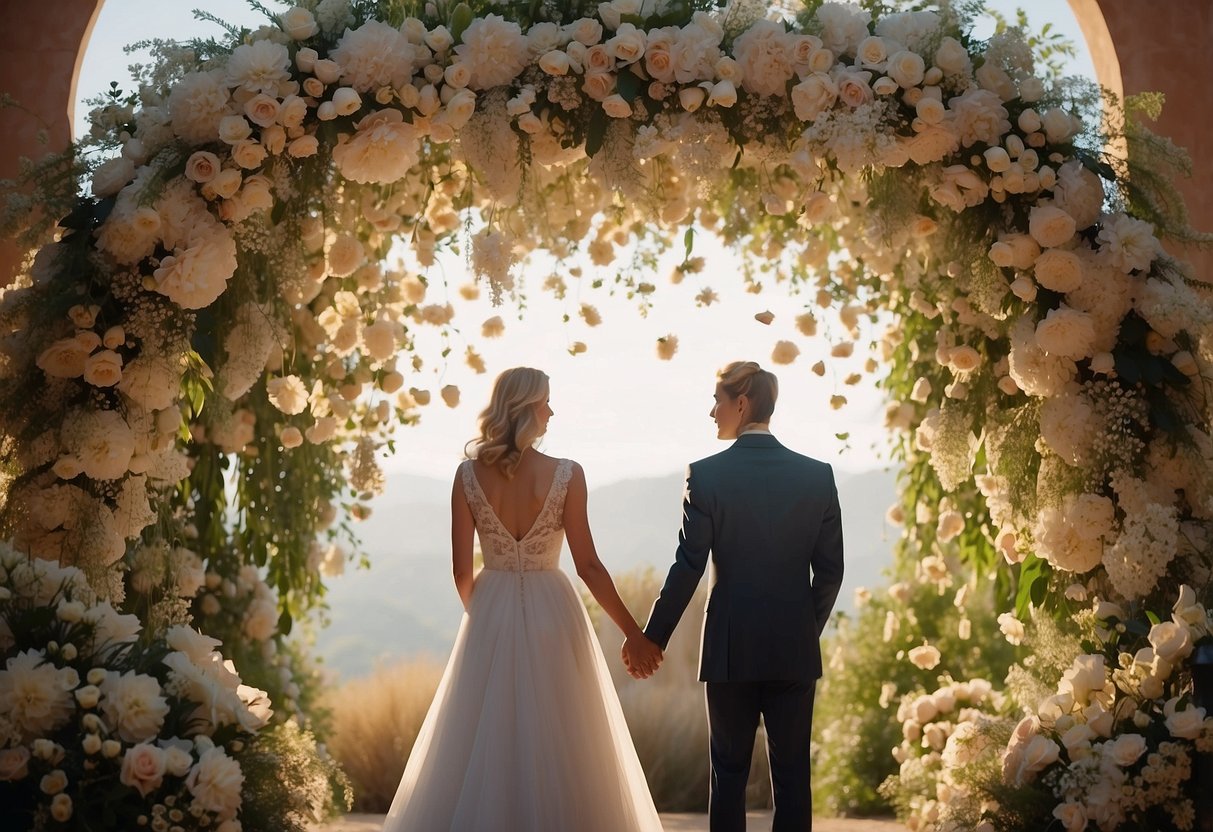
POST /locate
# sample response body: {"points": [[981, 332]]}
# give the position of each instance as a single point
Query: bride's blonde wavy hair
{"points": [[508, 425]]}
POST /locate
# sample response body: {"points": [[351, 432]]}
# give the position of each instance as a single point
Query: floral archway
{"points": [[207, 350]]}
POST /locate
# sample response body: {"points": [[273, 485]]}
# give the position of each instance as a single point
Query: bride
{"points": [[525, 733]]}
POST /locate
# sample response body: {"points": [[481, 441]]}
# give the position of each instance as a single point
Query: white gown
{"points": [[525, 733]]}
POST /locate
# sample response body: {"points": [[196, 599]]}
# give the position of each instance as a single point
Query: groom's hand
{"points": [[641, 656]]}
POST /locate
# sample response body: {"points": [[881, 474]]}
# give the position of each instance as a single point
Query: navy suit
{"points": [[769, 520]]}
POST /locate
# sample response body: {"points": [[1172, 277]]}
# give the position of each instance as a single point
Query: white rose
{"points": [[585, 31], [1073, 816], [1127, 749], [346, 101], [303, 147], [964, 359], [555, 62], [723, 94], [813, 96], [906, 68], [952, 57], [248, 154], [627, 46], [1187, 724], [298, 23], [1058, 125], [14, 764], [1171, 641]]}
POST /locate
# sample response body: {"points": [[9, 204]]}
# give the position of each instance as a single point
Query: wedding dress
{"points": [[525, 733]]}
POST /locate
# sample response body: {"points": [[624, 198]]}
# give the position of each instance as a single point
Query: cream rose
{"points": [[854, 89], [202, 166], [103, 369], [906, 68], [298, 23], [813, 96], [1059, 270], [262, 110], [143, 768], [1050, 226], [1171, 641], [616, 107], [64, 358]]}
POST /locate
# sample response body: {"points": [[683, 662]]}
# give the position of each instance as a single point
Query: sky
{"points": [[619, 410]]}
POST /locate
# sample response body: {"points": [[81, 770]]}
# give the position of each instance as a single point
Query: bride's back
{"points": [[518, 501]]}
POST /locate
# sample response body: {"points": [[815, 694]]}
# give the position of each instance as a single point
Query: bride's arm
{"points": [[589, 568], [462, 529]]}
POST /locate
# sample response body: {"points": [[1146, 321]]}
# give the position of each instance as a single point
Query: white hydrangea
{"points": [[1036, 373], [196, 105], [133, 705], [843, 26], [1079, 192], [1072, 537], [383, 150], [494, 49], [375, 55], [765, 58], [35, 695], [259, 67], [1128, 244], [1067, 426]]}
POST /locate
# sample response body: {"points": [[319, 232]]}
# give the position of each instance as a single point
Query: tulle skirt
{"points": [[525, 733]]}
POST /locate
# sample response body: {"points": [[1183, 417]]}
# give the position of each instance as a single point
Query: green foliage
{"points": [[290, 782], [855, 725]]}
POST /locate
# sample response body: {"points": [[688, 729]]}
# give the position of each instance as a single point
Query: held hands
{"points": [[641, 656]]}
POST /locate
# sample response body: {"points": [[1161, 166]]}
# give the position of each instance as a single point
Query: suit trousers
{"points": [[787, 712]]}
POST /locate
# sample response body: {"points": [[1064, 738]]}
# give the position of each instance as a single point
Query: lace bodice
{"points": [[540, 547]]}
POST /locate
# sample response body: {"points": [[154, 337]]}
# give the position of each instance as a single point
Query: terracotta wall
{"points": [[1150, 45], [41, 45], [1168, 47]]}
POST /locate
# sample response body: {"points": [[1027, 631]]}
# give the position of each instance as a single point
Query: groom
{"points": [[770, 520]]}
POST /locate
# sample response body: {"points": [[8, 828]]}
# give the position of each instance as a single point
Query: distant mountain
{"points": [[406, 605]]}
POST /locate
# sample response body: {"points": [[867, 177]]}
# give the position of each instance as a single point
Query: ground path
{"points": [[673, 823]]}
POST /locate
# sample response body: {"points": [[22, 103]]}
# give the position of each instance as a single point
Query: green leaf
{"points": [[284, 622], [628, 86], [688, 240], [461, 19], [596, 133]]}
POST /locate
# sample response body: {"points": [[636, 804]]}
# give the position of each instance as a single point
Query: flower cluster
{"points": [[96, 712], [221, 297]]}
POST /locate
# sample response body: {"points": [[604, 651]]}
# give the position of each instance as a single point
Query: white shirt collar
{"points": [[754, 430]]}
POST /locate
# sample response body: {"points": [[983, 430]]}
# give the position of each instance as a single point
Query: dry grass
{"points": [[376, 718], [375, 723]]}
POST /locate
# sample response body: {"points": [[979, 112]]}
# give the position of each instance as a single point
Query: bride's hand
{"points": [[641, 656]]}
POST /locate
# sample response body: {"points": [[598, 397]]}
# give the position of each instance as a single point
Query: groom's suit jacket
{"points": [[769, 518]]}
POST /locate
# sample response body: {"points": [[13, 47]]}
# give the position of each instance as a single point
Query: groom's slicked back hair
{"points": [[746, 378]]}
